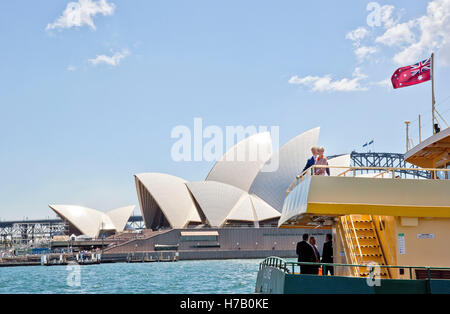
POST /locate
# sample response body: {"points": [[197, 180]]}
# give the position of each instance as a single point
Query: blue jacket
{"points": [[309, 163]]}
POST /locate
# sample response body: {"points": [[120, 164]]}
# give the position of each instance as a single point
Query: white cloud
{"points": [[113, 60], [81, 13], [397, 35], [357, 35], [433, 34], [386, 15], [364, 51], [326, 83], [384, 83], [71, 68], [386, 20], [411, 40]]}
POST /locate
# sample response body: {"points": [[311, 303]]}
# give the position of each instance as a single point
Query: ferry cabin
{"points": [[383, 216]]}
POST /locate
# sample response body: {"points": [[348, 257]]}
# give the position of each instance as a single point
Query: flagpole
{"points": [[433, 101], [420, 131], [407, 135]]}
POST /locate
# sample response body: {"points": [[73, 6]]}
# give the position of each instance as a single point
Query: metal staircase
{"points": [[362, 245]]}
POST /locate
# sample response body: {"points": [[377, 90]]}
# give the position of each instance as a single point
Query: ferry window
{"points": [[448, 172]]}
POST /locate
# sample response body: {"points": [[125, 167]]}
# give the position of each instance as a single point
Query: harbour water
{"points": [[211, 276]]}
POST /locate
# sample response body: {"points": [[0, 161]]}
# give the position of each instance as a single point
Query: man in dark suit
{"points": [[327, 254], [312, 241], [311, 161], [306, 253]]}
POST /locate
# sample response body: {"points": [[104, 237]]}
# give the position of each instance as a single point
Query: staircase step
{"points": [[369, 251], [370, 254], [372, 259], [364, 229], [363, 233], [366, 237], [368, 244], [360, 217]]}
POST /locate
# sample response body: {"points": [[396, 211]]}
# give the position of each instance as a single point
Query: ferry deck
{"points": [[390, 230]]}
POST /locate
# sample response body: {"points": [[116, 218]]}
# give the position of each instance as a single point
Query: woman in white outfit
{"points": [[321, 161]]}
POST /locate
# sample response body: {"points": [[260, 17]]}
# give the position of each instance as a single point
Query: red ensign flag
{"points": [[412, 74]]}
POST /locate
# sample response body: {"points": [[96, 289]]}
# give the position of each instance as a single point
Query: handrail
{"points": [[381, 174], [349, 238], [357, 240], [273, 261], [349, 243], [376, 168], [311, 172], [386, 237]]}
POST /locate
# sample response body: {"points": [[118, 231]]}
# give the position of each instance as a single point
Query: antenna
{"points": [[407, 135], [420, 130]]}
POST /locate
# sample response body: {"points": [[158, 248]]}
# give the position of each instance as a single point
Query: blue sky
{"points": [[86, 103]]}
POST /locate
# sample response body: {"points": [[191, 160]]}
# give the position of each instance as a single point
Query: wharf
{"points": [[89, 259]]}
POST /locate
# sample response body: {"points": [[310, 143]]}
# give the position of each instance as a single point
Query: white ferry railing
{"points": [[377, 172]]}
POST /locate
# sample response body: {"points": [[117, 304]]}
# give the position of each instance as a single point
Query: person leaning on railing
{"points": [[321, 161], [311, 161]]}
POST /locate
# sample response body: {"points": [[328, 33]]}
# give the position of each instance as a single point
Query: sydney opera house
{"points": [[235, 209], [246, 187]]}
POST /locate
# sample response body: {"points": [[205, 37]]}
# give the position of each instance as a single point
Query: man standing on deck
{"points": [[312, 241], [311, 161], [306, 253], [327, 255]]}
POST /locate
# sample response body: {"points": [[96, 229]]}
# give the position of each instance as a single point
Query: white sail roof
{"points": [[243, 210], [263, 210], [340, 161], [278, 173], [216, 199], [222, 202], [252, 208], [90, 221], [240, 164], [119, 217], [159, 191]]}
